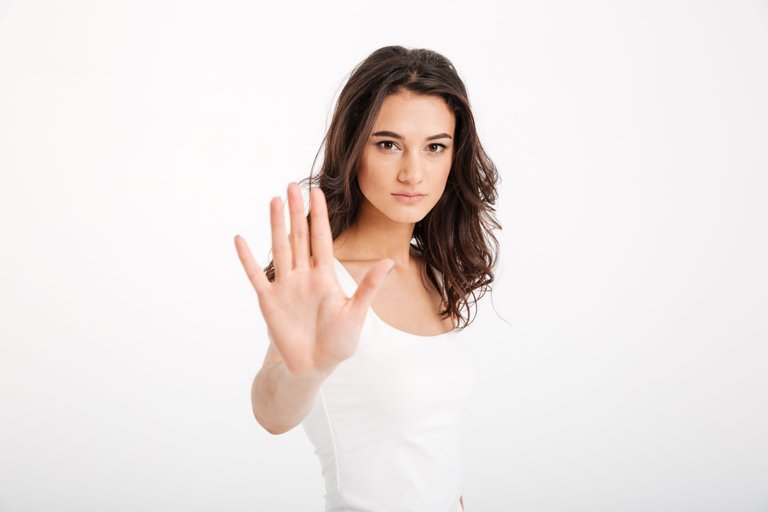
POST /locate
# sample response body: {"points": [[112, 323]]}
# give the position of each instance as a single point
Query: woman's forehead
{"points": [[415, 115]]}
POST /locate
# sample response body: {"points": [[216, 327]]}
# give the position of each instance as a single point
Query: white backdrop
{"points": [[621, 359]]}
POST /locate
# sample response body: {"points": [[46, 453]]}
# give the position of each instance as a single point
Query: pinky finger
{"points": [[252, 269]]}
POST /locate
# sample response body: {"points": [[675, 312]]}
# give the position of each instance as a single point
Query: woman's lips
{"points": [[405, 198]]}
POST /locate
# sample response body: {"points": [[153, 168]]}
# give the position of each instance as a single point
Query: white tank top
{"points": [[386, 423]]}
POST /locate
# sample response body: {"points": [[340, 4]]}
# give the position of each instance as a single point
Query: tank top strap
{"points": [[438, 275], [346, 281]]}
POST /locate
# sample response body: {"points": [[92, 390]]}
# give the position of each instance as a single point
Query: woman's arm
{"points": [[281, 399], [312, 324]]}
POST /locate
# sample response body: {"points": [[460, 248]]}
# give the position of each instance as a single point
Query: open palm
{"points": [[311, 321]]}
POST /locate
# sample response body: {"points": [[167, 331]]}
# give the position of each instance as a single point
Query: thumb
{"points": [[369, 286]]}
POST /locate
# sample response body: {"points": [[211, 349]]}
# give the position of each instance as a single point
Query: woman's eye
{"points": [[386, 142], [438, 147]]}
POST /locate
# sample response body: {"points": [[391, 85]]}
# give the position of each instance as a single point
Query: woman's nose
{"points": [[411, 170]]}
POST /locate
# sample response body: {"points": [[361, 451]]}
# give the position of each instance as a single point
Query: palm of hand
{"points": [[312, 323]]}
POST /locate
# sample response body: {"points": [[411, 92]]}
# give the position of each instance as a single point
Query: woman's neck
{"points": [[373, 241]]}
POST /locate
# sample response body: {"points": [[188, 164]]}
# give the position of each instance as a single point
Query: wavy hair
{"points": [[456, 236]]}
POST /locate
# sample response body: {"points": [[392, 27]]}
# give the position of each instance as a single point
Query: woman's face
{"points": [[410, 151]]}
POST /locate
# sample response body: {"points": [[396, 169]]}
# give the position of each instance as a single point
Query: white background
{"points": [[622, 357]]}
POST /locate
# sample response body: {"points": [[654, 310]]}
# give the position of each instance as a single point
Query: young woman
{"points": [[363, 300]]}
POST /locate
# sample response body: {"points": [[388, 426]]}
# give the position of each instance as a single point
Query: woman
{"points": [[381, 392]]}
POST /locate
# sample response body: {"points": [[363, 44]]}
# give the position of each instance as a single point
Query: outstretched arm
{"points": [[312, 325]]}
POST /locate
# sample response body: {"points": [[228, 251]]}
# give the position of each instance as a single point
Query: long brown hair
{"points": [[455, 237]]}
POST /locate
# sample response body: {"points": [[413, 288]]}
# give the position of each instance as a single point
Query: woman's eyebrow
{"points": [[387, 133]]}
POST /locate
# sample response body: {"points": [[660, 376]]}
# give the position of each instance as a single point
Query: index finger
{"points": [[321, 237], [252, 269]]}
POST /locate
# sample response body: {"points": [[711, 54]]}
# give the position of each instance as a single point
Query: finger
{"points": [[299, 228], [321, 236], [252, 269], [281, 248], [369, 286]]}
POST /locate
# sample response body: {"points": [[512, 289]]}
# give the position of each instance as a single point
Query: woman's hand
{"points": [[312, 323]]}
